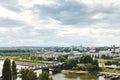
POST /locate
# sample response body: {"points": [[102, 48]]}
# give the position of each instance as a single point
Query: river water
{"points": [[61, 76]]}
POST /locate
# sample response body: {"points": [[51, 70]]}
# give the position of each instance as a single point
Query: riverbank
{"points": [[86, 72], [109, 73], [74, 72]]}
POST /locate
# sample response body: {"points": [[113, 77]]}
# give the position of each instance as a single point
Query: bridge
{"points": [[54, 67]]}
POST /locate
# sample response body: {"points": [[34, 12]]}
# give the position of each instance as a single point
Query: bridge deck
{"points": [[37, 65]]}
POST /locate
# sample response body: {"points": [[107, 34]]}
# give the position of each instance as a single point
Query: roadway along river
{"points": [[61, 76]]}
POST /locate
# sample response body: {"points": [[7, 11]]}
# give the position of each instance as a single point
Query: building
{"points": [[75, 54]]}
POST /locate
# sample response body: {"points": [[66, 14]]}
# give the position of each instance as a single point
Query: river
{"points": [[61, 76]]}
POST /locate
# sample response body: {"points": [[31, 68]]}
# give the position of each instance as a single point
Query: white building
{"points": [[75, 54]]}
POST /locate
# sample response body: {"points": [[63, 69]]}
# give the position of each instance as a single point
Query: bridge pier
{"points": [[57, 69], [55, 72], [45, 70]]}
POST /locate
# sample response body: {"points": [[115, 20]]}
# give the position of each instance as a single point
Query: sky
{"points": [[59, 22]]}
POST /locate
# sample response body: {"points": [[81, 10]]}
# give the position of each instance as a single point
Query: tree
{"points": [[108, 63], [86, 59], [6, 71], [40, 58], [33, 58], [61, 59], [14, 70], [50, 59], [70, 63], [28, 74], [115, 63], [112, 63], [44, 76], [50, 78], [91, 67], [95, 62], [106, 57]]}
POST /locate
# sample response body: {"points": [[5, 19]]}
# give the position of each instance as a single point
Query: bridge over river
{"points": [[54, 67]]}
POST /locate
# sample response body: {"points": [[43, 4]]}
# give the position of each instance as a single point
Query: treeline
{"points": [[15, 54], [14, 51]]}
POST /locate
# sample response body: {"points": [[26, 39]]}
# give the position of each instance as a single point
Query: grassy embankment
{"points": [[74, 72]]}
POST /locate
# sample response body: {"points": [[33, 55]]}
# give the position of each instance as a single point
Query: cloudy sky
{"points": [[59, 22]]}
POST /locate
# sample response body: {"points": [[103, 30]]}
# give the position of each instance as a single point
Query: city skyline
{"points": [[59, 22]]}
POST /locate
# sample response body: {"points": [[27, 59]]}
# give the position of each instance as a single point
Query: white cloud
{"points": [[2, 30], [31, 3], [7, 13], [99, 16], [101, 3]]}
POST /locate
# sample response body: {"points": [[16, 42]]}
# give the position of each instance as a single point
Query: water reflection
{"points": [[101, 78], [61, 76], [88, 77]]}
